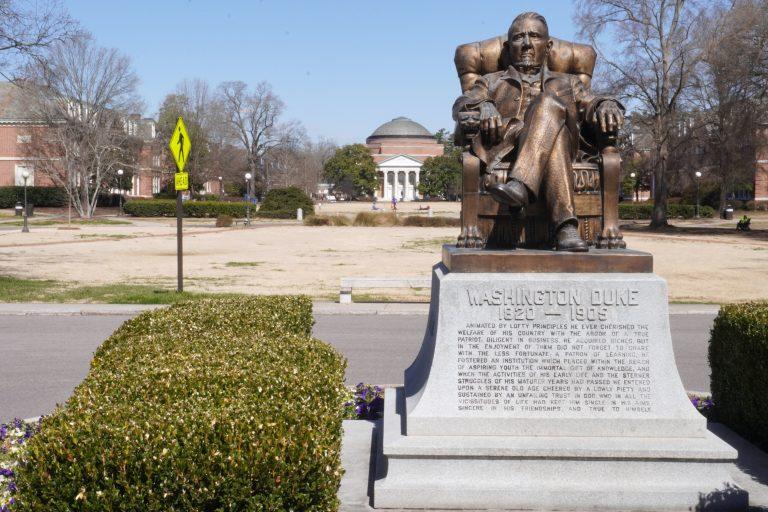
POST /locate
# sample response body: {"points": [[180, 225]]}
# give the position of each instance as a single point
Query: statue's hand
{"points": [[490, 122], [608, 117]]}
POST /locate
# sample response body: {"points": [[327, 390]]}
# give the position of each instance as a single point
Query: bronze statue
{"points": [[525, 123]]}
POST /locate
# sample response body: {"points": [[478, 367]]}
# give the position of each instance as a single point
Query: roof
{"points": [[401, 127], [15, 104]]}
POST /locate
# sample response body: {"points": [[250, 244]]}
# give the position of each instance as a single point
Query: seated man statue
{"points": [[531, 116]]}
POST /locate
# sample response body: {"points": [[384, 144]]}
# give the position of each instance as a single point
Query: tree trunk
{"points": [[723, 193], [659, 215]]}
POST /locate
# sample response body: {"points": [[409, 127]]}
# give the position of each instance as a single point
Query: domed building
{"points": [[399, 147]]}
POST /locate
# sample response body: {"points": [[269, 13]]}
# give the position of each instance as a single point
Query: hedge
{"points": [[38, 196], [280, 201], [221, 404], [644, 211], [167, 208], [738, 358]]}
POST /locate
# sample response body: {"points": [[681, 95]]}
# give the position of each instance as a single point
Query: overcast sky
{"points": [[342, 67]]}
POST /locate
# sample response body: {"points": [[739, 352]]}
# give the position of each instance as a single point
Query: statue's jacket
{"points": [[512, 93]]}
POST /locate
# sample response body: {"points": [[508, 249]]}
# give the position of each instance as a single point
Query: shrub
{"points": [[275, 214], [167, 208], [738, 357], [223, 221], [38, 196], [150, 207], [431, 222], [644, 210], [327, 220], [224, 404], [372, 219], [286, 200], [214, 209]]}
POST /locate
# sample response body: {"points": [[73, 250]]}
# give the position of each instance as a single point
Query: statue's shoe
{"points": [[513, 193], [568, 239]]}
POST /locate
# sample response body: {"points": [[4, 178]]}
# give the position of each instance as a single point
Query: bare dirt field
{"points": [[703, 261]]}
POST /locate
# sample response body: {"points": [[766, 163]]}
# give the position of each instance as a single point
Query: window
{"points": [[136, 186], [155, 184], [156, 160], [20, 169], [23, 139]]}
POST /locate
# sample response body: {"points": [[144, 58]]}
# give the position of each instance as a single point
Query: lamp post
{"points": [[698, 176], [248, 177], [221, 186], [25, 225], [634, 183], [120, 190]]}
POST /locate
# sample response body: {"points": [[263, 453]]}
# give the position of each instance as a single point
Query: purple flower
{"points": [[11, 486], [3, 432], [6, 472], [17, 423]]}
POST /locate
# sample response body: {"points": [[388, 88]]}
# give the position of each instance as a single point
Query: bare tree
{"points": [[83, 94], [730, 89], [27, 29], [649, 62], [253, 119], [300, 164]]}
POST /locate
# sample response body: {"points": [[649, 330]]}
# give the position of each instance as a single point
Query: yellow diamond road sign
{"points": [[180, 144]]}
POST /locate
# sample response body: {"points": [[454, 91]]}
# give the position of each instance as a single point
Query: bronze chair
{"points": [[487, 224]]}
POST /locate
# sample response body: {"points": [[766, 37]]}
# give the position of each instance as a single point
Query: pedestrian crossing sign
{"points": [[180, 145]]}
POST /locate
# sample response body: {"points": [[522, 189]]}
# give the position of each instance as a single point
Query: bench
{"points": [[348, 283]]}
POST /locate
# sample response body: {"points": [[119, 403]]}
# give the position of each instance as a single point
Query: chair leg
{"points": [[610, 237], [470, 195]]}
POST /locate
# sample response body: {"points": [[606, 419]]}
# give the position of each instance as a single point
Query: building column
{"points": [[416, 183], [394, 185]]}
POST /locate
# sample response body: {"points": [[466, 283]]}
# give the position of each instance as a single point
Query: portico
{"points": [[399, 177]]}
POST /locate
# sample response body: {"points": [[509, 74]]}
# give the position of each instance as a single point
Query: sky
{"points": [[341, 67]]}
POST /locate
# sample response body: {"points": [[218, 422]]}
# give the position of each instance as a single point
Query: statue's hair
{"points": [[530, 15]]}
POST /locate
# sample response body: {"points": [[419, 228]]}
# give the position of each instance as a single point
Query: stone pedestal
{"points": [[548, 391]]}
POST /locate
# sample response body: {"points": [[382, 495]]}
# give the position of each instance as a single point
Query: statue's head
{"points": [[529, 42]]}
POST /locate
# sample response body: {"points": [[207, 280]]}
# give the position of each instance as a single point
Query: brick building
{"points": [[761, 166], [399, 147], [17, 129]]}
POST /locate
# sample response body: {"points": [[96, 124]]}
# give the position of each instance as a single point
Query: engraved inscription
{"points": [[564, 351]]}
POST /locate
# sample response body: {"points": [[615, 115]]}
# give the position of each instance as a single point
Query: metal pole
{"points": [[179, 252], [25, 227], [248, 204], [697, 198]]}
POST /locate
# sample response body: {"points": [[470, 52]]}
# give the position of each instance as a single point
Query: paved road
{"points": [[42, 357]]}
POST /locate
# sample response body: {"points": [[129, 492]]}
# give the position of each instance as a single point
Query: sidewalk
{"points": [[319, 308]]}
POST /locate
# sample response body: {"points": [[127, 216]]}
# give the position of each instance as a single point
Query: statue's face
{"points": [[528, 44]]}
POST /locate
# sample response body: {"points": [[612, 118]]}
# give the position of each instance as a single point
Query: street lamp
{"points": [[120, 190], [221, 186], [634, 183], [25, 225], [248, 177], [698, 175]]}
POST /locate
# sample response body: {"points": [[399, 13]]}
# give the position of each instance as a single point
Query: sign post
{"points": [[180, 146]]}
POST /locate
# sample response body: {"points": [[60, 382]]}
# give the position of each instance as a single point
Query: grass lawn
{"points": [[34, 290]]}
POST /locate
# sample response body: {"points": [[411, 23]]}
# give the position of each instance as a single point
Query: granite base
{"points": [[550, 391]]}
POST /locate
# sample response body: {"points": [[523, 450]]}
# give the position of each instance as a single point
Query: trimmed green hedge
{"points": [[220, 404], [38, 196], [282, 203], [167, 208], [644, 210], [738, 358]]}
